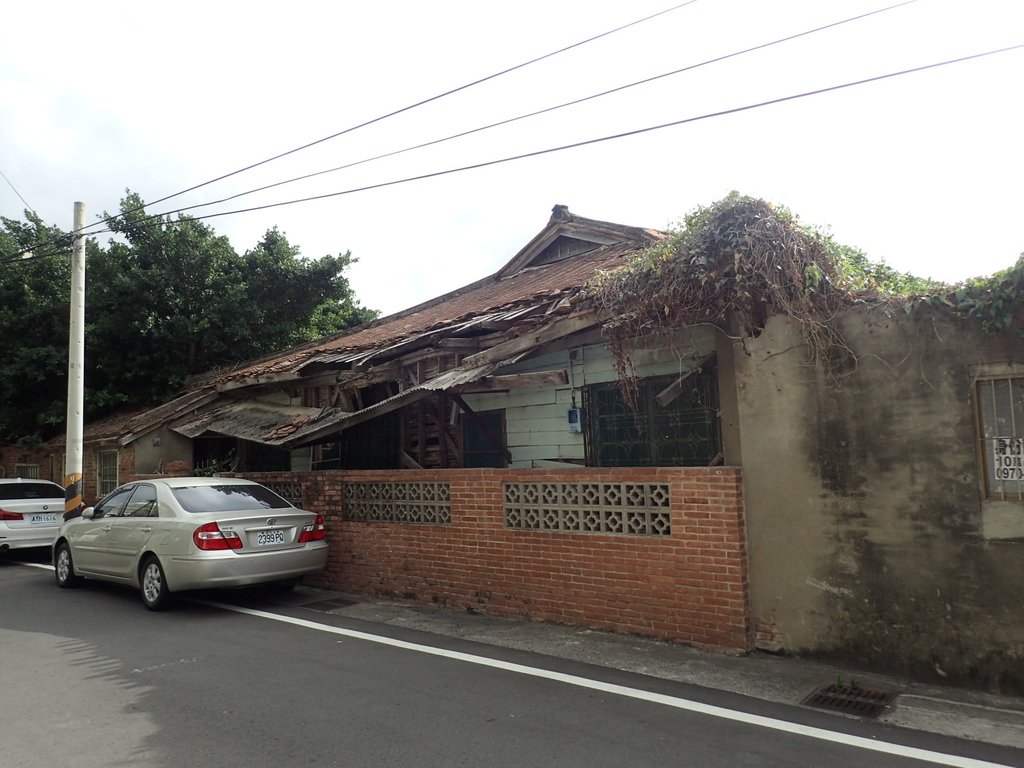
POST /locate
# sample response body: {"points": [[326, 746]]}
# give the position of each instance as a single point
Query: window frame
{"points": [[142, 503], [489, 434], [102, 490], [105, 507], [20, 471], [703, 379], [57, 471], [987, 445]]}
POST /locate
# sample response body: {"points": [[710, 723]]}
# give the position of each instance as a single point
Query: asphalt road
{"points": [[88, 677]]}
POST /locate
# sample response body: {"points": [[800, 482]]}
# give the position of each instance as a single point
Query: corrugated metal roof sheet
{"points": [[338, 421], [509, 297], [259, 422], [521, 293]]}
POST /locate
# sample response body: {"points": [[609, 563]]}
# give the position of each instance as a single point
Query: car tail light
{"points": [[5, 515], [210, 536], [315, 531]]}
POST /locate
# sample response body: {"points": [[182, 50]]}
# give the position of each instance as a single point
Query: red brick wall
{"points": [[12, 455], [51, 464], [691, 586]]}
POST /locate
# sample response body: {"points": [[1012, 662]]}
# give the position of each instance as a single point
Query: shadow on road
{"points": [[28, 555]]}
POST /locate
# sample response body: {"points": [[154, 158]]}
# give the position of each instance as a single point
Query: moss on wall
{"points": [[884, 564]]}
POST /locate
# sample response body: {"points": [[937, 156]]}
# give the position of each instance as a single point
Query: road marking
{"points": [[859, 742], [822, 734]]}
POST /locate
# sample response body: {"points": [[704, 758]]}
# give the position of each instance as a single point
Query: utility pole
{"points": [[76, 371]]}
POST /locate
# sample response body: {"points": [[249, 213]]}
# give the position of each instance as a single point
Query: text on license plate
{"points": [[49, 517], [264, 538]]}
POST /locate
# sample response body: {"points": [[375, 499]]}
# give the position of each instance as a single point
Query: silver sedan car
{"points": [[175, 534], [30, 512]]}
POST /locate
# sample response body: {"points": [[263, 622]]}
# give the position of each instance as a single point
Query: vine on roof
{"points": [[994, 301], [735, 264]]}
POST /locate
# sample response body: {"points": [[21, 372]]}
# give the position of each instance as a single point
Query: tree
{"points": [[34, 316], [177, 300], [293, 300], [168, 299]]}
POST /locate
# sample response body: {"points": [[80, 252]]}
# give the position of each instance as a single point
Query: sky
{"points": [[922, 171]]}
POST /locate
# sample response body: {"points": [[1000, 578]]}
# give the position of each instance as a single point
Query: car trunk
{"points": [[34, 512], [272, 530]]}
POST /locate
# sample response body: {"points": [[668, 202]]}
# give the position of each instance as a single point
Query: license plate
{"points": [[264, 538], [49, 517]]}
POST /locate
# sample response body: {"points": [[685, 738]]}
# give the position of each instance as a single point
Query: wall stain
{"points": [[913, 588]]}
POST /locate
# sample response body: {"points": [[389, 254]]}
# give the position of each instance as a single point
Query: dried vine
{"points": [[735, 264]]}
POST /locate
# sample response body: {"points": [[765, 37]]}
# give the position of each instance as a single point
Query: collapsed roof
{"points": [[482, 327]]}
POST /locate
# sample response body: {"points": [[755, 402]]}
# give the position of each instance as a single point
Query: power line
{"points": [[158, 218], [374, 120], [18, 193], [412, 106], [546, 110], [30, 255]]}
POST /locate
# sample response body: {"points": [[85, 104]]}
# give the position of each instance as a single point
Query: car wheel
{"points": [[155, 594], [64, 567]]}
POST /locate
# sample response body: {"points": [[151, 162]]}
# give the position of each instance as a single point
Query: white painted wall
{"points": [[536, 420]]}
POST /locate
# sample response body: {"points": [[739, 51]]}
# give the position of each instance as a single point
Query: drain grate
{"points": [[851, 700]]}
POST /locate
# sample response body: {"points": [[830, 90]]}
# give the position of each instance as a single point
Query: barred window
{"points": [[29, 471], [107, 480], [1001, 430], [682, 432]]}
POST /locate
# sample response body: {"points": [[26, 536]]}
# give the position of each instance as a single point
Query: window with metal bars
{"points": [[29, 471], [684, 432], [1001, 434], [107, 472]]}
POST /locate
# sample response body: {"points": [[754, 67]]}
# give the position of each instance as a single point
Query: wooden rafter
{"points": [[495, 441], [519, 380], [528, 341]]}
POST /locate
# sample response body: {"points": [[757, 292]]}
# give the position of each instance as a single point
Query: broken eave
{"points": [[265, 423], [335, 422]]}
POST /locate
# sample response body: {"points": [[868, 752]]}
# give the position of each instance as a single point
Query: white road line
{"points": [[822, 734]]}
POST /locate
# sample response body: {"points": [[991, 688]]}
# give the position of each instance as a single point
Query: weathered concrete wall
{"points": [[160, 447], [865, 512]]}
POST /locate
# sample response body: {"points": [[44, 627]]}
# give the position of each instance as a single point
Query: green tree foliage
{"points": [[996, 301], [34, 317], [165, 300], [293, 300]]}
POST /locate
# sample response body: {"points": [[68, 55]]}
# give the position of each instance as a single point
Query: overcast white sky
{"points": [[924, 171]]}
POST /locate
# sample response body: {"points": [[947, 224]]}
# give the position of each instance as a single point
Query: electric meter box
{"points": [[575, 423]]}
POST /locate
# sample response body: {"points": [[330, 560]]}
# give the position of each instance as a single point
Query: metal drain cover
{"points": [[325, 606], [851, 700]]}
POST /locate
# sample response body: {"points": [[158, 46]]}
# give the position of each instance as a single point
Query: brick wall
{"points": [[690, 586], [51, 464], [13, 455]]}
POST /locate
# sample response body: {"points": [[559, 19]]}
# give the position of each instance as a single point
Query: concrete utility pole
{"points": [[76, 371]]}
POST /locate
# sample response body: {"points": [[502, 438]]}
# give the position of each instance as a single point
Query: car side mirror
{"points": [[88, 512]]}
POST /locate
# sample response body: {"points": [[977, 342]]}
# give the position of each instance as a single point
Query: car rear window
{"points": [[227, 498], [31, 491]]}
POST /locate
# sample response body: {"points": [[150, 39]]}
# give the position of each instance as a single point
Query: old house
{"points": [[479, 451], [106, 462]]}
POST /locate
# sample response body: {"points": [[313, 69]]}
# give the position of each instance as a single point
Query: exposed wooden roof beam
{"points": [[495, 441], [243, 382], [459, 343], [519, 381], [527, 341]]}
